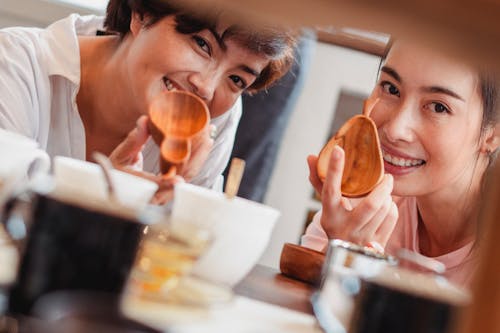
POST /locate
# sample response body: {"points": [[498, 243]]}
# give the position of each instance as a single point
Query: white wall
{"points": [[333, 68], [41, 13]]}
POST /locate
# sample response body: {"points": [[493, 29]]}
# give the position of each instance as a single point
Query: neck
{"points": [[448, 219], [105, 110]]}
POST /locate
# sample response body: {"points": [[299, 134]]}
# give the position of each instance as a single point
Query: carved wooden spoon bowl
{"points": [[364, 165], [175, 119]]}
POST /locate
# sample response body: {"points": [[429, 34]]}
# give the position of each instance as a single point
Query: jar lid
{"points": [[365, 250]]}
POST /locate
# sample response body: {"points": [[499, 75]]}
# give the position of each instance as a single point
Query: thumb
{"points": [[332, 192], [129, 148]]}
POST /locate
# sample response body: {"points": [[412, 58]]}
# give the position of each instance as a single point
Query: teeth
{"points": [[168, 84], [398, 161]]}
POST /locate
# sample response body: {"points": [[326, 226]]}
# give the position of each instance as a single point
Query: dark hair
{"points": [[274, 43], [489, 96]]}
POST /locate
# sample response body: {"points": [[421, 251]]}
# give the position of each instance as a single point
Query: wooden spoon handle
{"points": [[234, 177], [368, 106]]}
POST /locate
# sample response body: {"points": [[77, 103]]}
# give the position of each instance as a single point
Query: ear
{"points": [[136, 23], [491, 139]]}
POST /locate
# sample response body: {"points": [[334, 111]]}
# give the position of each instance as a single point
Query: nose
{"points": [[203, 84], [399, 123]]}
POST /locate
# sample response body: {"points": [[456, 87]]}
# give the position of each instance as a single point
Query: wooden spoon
{"points": [[175, 119], [364, 165]]}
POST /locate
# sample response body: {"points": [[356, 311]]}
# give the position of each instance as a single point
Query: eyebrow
{"points": [[433, 89], [392, 72], [443, 90], [222, 45], [249, 70], [218, 38]]}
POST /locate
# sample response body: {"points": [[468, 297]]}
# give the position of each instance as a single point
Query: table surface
{"points": [[262, 283], [269, 285]]}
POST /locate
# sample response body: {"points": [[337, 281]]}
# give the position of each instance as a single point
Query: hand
{"points": [[373, 218], [128, 153], [200, 149], [127, 157]]}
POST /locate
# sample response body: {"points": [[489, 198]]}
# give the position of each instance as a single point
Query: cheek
{"points": [[447, 150], [381, 113], [222, 102]]}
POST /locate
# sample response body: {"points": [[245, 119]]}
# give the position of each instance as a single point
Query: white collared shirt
{"points": [[39, 82]]}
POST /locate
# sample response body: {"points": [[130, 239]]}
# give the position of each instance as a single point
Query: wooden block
{"points": [[302, 263]]}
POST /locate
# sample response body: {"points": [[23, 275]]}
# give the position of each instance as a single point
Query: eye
{"points": [[238, 81], [438, 107], [389, 88], [202, 43]]}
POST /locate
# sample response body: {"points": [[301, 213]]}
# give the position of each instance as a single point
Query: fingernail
{"points": [[337, 152], [137, 123]]}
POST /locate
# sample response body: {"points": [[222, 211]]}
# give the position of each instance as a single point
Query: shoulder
{"points": [[22, 79], [18, 44]]}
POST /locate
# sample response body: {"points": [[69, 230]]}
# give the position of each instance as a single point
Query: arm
{"points": [[20, 99]]}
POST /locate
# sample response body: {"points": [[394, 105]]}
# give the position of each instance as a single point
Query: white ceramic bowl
{"points": [[241, 230], [87, 179]]}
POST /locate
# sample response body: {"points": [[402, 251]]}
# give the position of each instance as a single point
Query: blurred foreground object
{"points": [[483, 315], [466, 28]]}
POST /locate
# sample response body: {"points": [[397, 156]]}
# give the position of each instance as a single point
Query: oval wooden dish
{"points": [[175, 119], [364, 164]]}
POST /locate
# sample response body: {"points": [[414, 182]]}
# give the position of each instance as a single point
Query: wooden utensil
{"points": [[175, 119], [234, 177], [364, 165], [302, 263]]}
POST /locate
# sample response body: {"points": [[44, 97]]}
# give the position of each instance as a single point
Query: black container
{"points": [[70, 246], [399, 305]]}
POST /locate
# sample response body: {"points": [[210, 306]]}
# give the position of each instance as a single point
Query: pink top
{"points": [[459, 264]]}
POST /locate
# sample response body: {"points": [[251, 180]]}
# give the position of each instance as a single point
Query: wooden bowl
{"points": [[364, 164], [175, 119], [302, 263]]}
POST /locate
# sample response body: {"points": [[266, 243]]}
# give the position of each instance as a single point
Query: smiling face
{"points": [[215, 68], [429, 121]]}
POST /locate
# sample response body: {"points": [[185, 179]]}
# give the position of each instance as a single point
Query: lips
{"points": [[400, 161], [395, 159]]}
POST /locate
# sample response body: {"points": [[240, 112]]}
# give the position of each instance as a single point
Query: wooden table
{"points": [[269, 285]]}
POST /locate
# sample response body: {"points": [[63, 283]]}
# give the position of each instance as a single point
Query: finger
{"points": [[347, 204], [127, 150], [199, 155], [312, 162], [332, 194], [372, 203], [369, 229], [165, 183], [385, 229], [165, 191], [162, 197]]}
